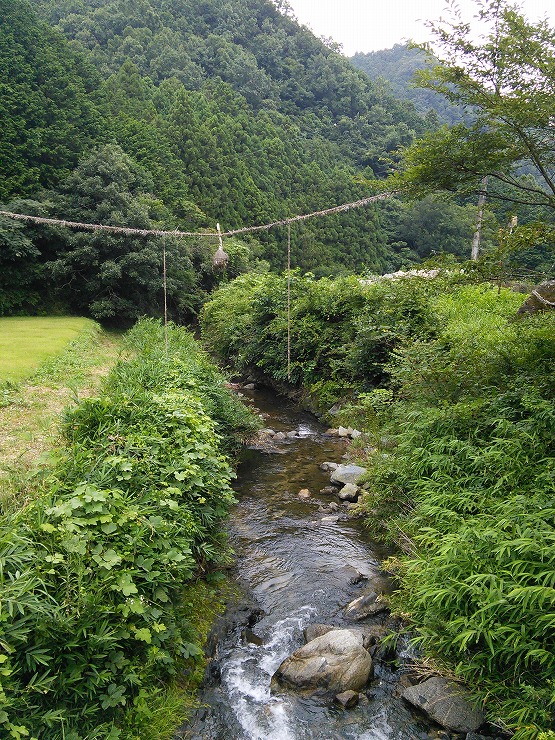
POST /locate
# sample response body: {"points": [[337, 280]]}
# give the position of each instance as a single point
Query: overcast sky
{"points": [[369, 25]]}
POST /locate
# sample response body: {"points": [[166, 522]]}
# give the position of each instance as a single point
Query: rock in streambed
{"points": [[345, 474], [365, 606], [349, 492], [331, 664], [445, 702]]}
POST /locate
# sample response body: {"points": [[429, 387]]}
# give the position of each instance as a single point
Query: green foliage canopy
{"points": [[115, 277], [505, 82]]}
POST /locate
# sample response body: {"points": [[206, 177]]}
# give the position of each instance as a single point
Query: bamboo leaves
{"points": [[477, 462]]}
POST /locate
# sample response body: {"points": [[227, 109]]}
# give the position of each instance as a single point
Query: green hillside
{"points": [[396, 68], [228, 113]]}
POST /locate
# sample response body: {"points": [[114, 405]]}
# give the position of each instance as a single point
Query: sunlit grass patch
{"points": [[27, 342], [478, 314], [30, 409]]}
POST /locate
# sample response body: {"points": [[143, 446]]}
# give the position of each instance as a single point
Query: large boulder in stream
{"points": [[331, 664], [445, 703], [370, 634], [345, 474]]}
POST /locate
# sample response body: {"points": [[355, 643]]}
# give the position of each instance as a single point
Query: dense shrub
{"points": [[94, 573], [246, 324], [467, 493], [343, 331]]}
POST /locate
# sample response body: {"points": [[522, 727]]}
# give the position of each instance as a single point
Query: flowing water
{"points": [[298, 560]]}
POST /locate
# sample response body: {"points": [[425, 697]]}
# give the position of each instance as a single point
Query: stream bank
{"points": [[300, 561]]}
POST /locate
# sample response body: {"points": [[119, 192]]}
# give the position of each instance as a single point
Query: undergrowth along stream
{"points": [[455, 395], [95, 574]]}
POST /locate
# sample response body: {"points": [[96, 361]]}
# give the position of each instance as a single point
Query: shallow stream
{"points": [[298, 560]]}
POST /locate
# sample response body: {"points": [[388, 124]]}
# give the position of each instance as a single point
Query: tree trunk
{"points": [[478, 233]]}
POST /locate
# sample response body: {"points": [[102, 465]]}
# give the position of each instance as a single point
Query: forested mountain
{"points": [[395, 68], [224, 112], [289, 127], [47, 107]]}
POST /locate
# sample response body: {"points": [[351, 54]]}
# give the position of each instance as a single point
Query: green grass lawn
{"points": [[26, 342], [76, 355]]}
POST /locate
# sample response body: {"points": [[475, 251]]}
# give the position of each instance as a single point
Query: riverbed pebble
{"points": [[365, 606], [349, 492], [251, 637], [354, 511], [405, 681], [348, 699], [373, 633], [344, 433], [351, 574], [304, 494]]}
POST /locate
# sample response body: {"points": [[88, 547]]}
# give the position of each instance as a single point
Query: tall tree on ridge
{"points": [[506, 81]]}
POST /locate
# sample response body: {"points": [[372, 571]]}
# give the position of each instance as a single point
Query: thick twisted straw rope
{"points": [[211, 235]]}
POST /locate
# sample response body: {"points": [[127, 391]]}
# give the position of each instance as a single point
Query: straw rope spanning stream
{"points": [[210, 235]]}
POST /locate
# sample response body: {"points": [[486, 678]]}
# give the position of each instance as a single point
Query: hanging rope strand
{"points": [[165, 281], [205, 234], [289, 302]]}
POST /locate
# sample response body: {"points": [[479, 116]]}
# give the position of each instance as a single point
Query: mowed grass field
{"points": [[46, 365], [26, 342]]}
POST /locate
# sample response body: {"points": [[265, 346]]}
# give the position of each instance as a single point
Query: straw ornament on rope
{"points": [[220, 258]]}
